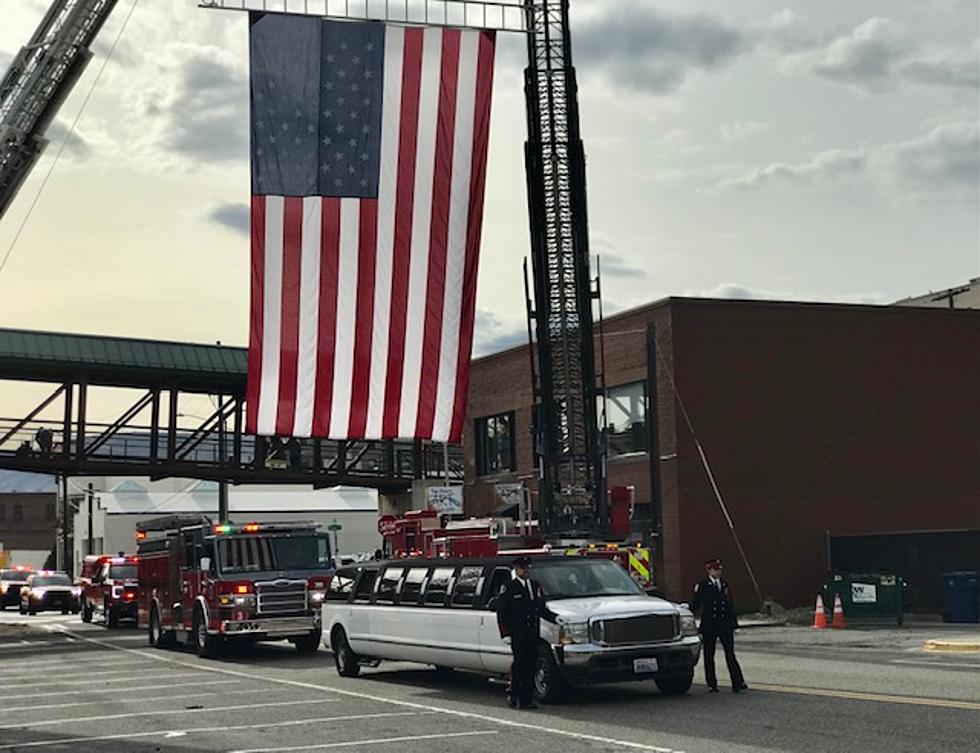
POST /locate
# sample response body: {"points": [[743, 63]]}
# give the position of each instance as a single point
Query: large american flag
{"points": [[369, 151]]}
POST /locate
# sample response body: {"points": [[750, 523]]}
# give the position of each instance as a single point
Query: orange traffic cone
{"points": [[819, 614], [839, 621]]}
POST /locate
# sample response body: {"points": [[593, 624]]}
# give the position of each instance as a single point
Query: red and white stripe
{"points": [[362, 309]]}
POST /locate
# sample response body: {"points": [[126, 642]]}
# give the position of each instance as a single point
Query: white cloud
{"points": [[738, 292], [740, 131], [945, 161]]}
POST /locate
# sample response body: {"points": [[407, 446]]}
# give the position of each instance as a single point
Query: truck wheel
{"points": [[22, 609], [308, 644], [206, 645], [549, 684], [675, 685], [111, 617], [157, 636], [86, 611], [348, 663]]}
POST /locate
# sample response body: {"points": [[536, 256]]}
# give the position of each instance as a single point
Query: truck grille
{"points": [[648, 628], [281, 596]]}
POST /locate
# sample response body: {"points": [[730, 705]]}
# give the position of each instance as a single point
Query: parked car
{"points": [[12, 579], [47, 590], [441, 612]]}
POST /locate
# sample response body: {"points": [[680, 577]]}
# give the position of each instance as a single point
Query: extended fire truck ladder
{"points": [[38, 81], [572, 487]]}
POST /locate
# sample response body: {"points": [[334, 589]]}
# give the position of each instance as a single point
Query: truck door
{"points": [[184, 606]]}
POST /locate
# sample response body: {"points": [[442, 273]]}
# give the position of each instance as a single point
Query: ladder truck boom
{"points": [[572, 488], [39, 80]]}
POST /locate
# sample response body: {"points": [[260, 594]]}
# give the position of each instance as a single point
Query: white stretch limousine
{"points": [[441, 612]]}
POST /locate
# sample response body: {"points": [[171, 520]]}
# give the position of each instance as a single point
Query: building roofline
{"points": [[879, 308]]}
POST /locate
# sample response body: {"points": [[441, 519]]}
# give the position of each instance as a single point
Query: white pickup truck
{"points": [[441, 612]]}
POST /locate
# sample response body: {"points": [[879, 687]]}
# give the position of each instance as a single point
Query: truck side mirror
{"points": [[206, 564]]}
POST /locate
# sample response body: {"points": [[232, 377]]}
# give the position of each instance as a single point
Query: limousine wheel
{"points": [[675, 685], [348, 663], [549, 684]]}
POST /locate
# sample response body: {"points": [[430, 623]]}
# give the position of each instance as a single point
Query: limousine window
{"points": [[500, 578], [464, 590], [341, 585], [582, 578], [438, 586], [412, 586], [365, 586], [388, 586]]}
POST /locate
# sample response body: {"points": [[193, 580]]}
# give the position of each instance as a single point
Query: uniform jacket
{"points": [[518, 614], [717, 610]]}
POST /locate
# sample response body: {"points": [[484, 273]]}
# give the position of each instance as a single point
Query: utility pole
{"points": [[67, 564], [91, 542]]}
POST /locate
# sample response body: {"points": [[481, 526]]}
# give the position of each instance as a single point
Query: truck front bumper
{"points": [[271, 627], [585, 664]]}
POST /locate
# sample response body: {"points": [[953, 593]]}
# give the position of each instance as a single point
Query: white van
{"points": [[441, 612]]}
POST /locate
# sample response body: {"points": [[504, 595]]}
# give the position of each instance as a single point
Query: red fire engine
{"points": [[209, 583], [426, 533], [109, 587]]}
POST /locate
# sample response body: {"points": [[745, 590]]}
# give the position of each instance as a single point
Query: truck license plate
{"points": [[641, 666]]}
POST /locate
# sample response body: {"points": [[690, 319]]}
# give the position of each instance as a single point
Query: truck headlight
{"points": [[76, 590], [689, 626], [316, 597], [574, 632]]}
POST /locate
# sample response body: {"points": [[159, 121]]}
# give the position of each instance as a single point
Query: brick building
{"points": [[27, 516], [819, 422]]}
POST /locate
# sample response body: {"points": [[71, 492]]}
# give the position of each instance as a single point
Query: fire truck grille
{"points": [[645, 629], [281, 596]]}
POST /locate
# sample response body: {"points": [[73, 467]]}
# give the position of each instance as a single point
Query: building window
{"points": [[625, 418], [18, 512], [495, 444]]}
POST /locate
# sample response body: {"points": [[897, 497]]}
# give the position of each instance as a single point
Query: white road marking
{"points": [[117, 689], [407, 704], [377, 741], [96, 682], [74, 667], [140, 699], [926, 663], [169, 712], [206, 730]]}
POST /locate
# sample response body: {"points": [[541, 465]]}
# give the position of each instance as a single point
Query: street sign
{"points": [[387, 525], [335, 526]]}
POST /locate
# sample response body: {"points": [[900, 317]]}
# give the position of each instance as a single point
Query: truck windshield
{"points": [[122, 572], [580, 578], [243, 554]]}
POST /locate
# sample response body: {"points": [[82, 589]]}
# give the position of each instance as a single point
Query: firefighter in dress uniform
{"points": [[520, 608], [718, 623]]}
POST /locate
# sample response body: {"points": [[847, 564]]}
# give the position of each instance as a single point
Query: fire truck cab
{"points": [[210, 584], [108, 587]]}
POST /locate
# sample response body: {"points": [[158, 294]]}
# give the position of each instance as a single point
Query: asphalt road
{"points": [[69, 686]]}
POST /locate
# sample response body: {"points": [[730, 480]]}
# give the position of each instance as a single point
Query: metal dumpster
{"points": [[961, 596], [868, 598]]}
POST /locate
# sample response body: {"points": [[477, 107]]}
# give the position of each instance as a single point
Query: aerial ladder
{"points": [[572, 494], [38, 82]]}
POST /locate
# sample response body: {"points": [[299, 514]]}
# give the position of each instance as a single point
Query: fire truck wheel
{"points": [[157, 637], [308, 644], [675, 685], [86, 611], [549, 684], [111, 616], [348, 663], [206, 645]]}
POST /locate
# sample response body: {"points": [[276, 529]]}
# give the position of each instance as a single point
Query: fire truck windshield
{"points": [[122, 572], [244, 554], [579, 578]]}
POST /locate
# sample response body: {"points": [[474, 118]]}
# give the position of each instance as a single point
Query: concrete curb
{"points": [[952, 647]]}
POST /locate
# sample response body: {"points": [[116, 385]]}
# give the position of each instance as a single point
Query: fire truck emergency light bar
{"points": [[228, 528]]}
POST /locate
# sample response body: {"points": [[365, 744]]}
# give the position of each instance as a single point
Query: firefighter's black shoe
{"points": [[531, 705], [512, 702], [712, 688], [739, 687]]}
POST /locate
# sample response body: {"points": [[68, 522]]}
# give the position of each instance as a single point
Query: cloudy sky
{"points": [[799, 150]]}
